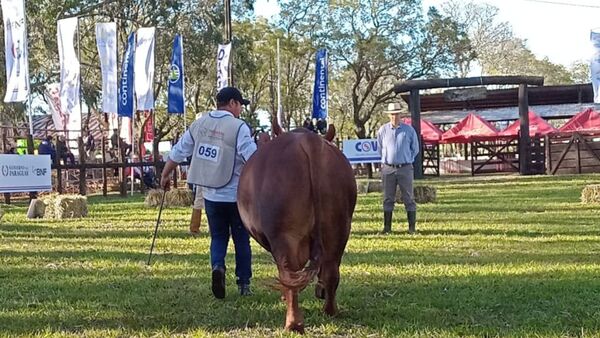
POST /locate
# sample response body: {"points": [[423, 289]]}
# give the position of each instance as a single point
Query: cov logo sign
{"points": [[366, 146], [4, 170]]}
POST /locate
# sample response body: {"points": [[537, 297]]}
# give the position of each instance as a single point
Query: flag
{"points": [[144, 69], [320, 90], [15, 47], [125, 107], [223, 54], [595, 65], [176, 92], [106, 42], [52, 96], [69, 91]]}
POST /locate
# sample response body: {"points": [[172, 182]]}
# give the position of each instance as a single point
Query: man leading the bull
{"points": [[398, 145], [219, 144]]}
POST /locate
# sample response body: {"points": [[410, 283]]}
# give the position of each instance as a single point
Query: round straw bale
{"points": [[179, 198], [422, 194], [590, 194], [153, 198], [37, 208]]}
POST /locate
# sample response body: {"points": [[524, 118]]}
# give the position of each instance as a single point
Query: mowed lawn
{"points": [[496, 256]]}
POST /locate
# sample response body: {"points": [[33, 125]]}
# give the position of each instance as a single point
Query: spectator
{"points": [[64, 152], [114, 139], [46, 148], [90, 144]]}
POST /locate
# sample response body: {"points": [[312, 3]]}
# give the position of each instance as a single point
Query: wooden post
{"points": [[58, 166], [415, 114], [524, 140], [104, 178], [31, 151], [548, 155], [578, 157], [4, 141], [82, 171]]}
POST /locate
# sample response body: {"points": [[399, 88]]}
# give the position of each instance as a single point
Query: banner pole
{"points": [[29, 110], [279, 108]]}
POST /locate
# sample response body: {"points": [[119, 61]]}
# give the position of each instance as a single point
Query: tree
{"points": [[383, 42], [498, 51], [580, 72]]}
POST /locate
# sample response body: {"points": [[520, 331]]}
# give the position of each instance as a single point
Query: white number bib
{"points": [[208, 152]]}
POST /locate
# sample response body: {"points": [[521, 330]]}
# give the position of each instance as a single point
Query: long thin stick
{"points": [[162, 201]]}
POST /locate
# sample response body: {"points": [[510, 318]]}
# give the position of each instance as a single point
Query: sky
{"points": [[557, 29]]}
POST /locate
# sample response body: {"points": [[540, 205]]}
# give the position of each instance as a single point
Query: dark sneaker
{"points": [[218, 282], [245, 290]]}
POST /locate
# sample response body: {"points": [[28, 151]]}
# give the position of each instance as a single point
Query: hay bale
{"points": [[422, 194], [37, 209], [153, 197], [65, 206], [179, 198], [591, 194]]}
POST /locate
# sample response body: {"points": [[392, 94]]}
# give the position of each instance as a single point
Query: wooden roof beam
{"points": [[409, 85]]}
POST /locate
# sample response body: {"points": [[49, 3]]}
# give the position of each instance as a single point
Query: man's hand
{"points": [[165, 182]]}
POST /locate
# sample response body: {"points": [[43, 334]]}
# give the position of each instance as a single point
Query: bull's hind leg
{"points": [[330, 276]]}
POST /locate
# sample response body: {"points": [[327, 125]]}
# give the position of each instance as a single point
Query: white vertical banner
{"points": [[52, 96], [125, 132], [595, 65], [223, 54], [69, 78], [144, 69], [106, 42], [15, 47]]}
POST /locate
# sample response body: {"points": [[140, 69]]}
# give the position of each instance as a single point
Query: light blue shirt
{"points": [[245, 148], [398, 145]]}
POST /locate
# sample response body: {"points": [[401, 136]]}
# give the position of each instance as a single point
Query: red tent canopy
{"points": [[472, 127], [537, 126], [431, 133], [586, 120]]}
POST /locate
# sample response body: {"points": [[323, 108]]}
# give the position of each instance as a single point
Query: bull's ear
{"points": [[330, 135], [276, 128]]}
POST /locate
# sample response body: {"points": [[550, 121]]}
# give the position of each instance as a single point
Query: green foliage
{"points": [[494, 256], [498, 51]]}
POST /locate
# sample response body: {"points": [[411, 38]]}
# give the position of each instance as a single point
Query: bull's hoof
{"points": [[319, 291], [331, 310], [295, 327]]}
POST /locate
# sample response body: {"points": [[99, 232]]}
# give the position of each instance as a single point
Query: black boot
{"points": [[387, 222], [412, 221]]}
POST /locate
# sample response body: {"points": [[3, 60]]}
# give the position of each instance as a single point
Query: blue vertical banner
{"points": [[320, 90], [176, 90], [126, 95]]}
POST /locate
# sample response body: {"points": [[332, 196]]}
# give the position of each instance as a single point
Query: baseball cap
{"points": [[231, 93]]}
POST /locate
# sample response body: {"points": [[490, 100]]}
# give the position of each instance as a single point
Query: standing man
{"points": [[398, 145], [220, 144]]}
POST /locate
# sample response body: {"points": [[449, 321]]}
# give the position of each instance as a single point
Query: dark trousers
{"points": [[223, 220]]}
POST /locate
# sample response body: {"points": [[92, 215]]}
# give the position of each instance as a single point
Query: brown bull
{"points": [[296, 197]]}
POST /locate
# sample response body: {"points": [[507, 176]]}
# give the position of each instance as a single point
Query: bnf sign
{"points": [[362, 151], [25, 173]]}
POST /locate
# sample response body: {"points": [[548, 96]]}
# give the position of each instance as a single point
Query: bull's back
{"points": [[278, 186]]}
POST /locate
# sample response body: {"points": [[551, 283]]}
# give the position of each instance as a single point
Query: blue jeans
{"points": [[224, 217]]}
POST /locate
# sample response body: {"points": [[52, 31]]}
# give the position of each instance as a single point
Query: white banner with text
{"points": [[25, 173]]}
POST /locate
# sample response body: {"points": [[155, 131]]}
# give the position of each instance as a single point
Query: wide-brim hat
{"points": [[395, 108]]}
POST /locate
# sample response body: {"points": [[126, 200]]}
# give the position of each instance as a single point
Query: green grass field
{"points": [[500, 256]]}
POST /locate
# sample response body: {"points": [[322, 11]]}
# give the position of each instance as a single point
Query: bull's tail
{"points": [[298, 280]]}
